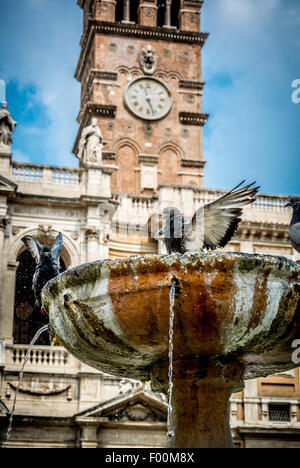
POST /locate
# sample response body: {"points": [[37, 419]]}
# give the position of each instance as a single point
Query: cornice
{"points": [[193, 163], [271, 233], [191, 84], [133, 31], [190, 118], [101, 75], [106, 156]]}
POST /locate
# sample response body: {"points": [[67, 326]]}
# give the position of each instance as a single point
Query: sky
{"points": [[250, 61]]}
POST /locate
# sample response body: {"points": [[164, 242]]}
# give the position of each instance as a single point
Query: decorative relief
{"points": [[148, 60], [149, 177], [184, 56], [92, 234], [185, 133], [137, 412], [126, 385], [190, 98], [130, 50], [45, 229], [113, 47], [42, 389], [148, 130]]}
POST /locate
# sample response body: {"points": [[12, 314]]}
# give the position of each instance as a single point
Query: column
{"points": [[168, 13], [251, 401], [8, 302]]}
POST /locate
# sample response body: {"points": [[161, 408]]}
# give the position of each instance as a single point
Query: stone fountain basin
{"points": [[113, 315]]}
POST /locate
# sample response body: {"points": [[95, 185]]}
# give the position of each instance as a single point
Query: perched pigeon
{"points": [[48, 266], [212, 226], [294, 230]]}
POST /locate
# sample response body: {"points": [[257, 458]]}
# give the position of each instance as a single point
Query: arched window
{"points": [[161, 13], [28, 321], [175, 9], [134, 6], [119, 11]]}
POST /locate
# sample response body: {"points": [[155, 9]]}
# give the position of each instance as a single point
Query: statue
{"points": [[91, 144], [7, 125]]}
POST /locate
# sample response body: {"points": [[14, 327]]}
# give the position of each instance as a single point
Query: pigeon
{"points": [[48, 265], [211, 227], [294, 230]]}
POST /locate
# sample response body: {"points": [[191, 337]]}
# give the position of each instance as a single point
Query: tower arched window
{"points": [[127, 11], [119, 11], [175, 9], [161, 13], [134, 6]]}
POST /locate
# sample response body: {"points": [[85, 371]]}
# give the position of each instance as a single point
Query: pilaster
{"points": [[105, 10], [147, 13]]}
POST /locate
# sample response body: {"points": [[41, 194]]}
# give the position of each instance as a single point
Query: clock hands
{"points": [[149, 100]]}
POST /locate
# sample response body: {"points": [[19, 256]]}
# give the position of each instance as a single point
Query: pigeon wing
{"points": [[213, 225], [295, 236], [56, 248], [34, 247]]}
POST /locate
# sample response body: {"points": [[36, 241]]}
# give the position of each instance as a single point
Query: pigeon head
{"points": [[294, 203]]}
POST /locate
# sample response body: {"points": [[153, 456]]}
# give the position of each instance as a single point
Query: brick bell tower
{"points": [[140, 71]]}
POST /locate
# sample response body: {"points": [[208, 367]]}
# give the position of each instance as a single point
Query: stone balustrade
{"points": [[43, 358], [38, 173]]}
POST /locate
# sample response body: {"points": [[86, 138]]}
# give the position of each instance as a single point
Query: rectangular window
{"points": [[279, 413]]}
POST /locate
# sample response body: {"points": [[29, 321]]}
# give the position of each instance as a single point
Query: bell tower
{"points": [[141, 78]]}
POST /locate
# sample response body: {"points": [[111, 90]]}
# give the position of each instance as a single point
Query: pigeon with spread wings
{"points": [[212, 226], [48, 264]]}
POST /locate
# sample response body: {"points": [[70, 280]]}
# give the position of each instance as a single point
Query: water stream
{"points": [[36, 337], [171, 333]]}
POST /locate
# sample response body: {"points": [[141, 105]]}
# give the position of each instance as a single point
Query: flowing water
{"points": [[38, 334], [171, 333]]}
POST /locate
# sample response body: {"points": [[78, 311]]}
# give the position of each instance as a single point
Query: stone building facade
{"points": [[136, 155]]}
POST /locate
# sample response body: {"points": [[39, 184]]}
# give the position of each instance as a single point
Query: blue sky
{"points": [[250, 60]]}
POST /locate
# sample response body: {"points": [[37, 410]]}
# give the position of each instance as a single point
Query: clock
{"points": [[148, 98]]}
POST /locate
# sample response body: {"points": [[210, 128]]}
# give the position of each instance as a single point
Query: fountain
{"points": [[236, 317]]}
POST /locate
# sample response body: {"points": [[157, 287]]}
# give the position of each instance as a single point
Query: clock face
{"points": [[148, 98]]}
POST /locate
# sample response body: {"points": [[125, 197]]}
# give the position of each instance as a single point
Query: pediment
{"points": [[7, 185], [139, 407]]}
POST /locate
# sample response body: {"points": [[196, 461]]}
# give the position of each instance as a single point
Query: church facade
{"points": [[139, 147]]}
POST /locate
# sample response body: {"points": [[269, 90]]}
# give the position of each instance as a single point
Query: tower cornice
{"points": [[135, 31]]}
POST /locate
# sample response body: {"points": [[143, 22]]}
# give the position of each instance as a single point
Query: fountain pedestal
{"points": [[236, 317], [200, 401]]}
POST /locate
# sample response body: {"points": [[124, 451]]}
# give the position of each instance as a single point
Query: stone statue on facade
{"points": [[91, 144], [7, 126]]}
